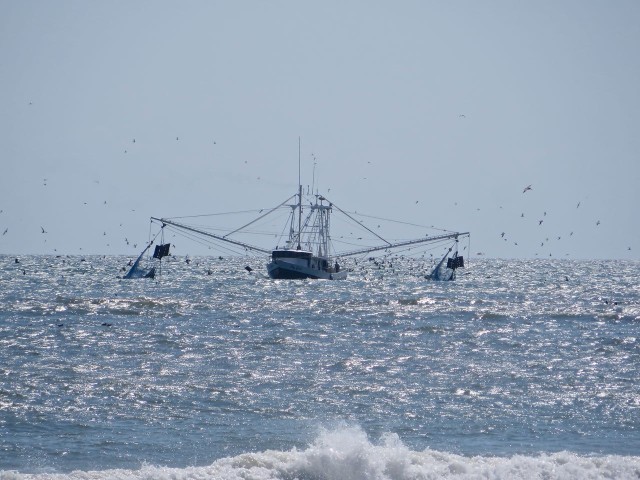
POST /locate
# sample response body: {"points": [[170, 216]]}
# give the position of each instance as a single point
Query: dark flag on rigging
{"points": [[161, 251], [455, 262]]}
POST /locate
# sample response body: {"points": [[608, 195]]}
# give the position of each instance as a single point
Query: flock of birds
{"points": [[528, 188], [540, 221]]}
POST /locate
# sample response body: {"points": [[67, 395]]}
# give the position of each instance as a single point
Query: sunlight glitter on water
{"points": [[496, 363]]}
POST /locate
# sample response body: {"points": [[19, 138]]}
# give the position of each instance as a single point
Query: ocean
{"points": [[519, 369]]}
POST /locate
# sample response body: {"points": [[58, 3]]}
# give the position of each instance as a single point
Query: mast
{"points": [[299, 200]]}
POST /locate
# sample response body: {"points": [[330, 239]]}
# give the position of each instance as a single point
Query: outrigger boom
{"points": [[453, 236], [164, 221]]}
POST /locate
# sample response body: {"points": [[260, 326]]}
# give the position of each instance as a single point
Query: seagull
{"points": [[528, 187], [502, 234], [578, 206], [5, 231], [43, 230], [540, 222], [598, 222]]}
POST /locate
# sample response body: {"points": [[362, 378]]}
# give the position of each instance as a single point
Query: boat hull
{"points": [[281, 269]]}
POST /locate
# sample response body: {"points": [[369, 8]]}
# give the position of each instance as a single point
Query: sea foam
{"points": [[348, 454]]}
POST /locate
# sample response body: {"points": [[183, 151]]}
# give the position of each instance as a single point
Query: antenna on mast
{"points": [[299, 199], [299, 181], [313, 178]]}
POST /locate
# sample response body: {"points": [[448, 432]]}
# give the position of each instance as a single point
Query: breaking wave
{"points": [[348, 454]]}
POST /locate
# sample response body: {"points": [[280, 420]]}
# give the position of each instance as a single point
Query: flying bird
{"points": [[43, 230], [5, 231], [598, 222], [527, 188], [540, 222], [578, 206]]}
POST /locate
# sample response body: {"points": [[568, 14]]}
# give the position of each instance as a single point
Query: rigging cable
{"points": [[363, 226], [259, 218]]}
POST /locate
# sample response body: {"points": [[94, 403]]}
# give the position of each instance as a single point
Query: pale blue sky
{"points": [[457, 105]]}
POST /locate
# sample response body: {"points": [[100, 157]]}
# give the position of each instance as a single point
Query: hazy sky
{"points": [[456, 105]]}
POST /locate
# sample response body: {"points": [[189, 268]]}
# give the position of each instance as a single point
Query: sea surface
{"points": [[519, 369]]}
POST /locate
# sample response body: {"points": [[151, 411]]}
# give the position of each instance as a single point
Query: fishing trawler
{"points": [[314, 260], [307, 252]]}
